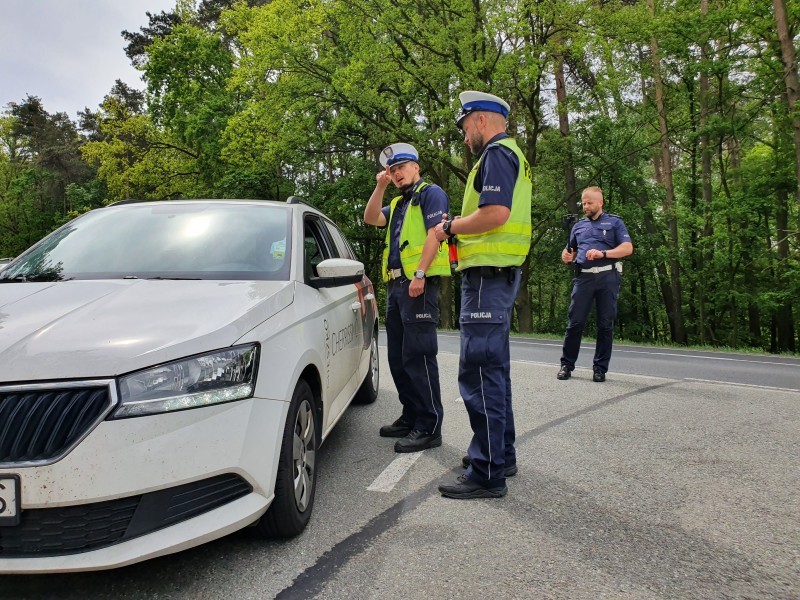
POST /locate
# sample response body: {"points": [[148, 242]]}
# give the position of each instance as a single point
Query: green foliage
{"points": [[40, 172]]}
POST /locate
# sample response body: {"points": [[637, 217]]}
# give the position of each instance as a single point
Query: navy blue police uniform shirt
{"points": [[497, 174], [433, 203], [604, 233]]}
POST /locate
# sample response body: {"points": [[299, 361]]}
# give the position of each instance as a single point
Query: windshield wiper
{"points": [[36, 278], [174, 278]]}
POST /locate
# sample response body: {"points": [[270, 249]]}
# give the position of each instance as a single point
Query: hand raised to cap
{"points": [[383, 178]]}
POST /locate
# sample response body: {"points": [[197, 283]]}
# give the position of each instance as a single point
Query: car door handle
{"points": [[355, 306], [369, 297]]}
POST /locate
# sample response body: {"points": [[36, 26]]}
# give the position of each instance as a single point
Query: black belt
{"points": [[402, 278], [491, 272]]}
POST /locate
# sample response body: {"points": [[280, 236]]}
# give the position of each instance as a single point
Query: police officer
{"points": [[596, 244], [413, 262], [493, 238]]}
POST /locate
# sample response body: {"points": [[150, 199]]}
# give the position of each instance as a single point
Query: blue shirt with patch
{"points": [[604, 233], [432, 201], [497, 174]]}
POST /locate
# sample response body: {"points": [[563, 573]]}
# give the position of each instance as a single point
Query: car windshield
{"points": [[174, 240]]}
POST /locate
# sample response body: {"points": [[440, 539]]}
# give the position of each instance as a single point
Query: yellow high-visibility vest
{"points": [[412, 240], [509, 244]]}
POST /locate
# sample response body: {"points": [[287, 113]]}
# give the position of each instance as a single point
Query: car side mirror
{"points": [[4, 262], [335, 272]]}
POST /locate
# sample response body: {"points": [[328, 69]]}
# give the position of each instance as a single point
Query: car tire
{"points": [[296, 480], [368, 392]]}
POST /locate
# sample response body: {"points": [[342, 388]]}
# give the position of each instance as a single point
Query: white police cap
{"points": [[397, 154], [472, 101]]}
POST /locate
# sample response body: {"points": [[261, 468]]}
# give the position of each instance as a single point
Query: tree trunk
{"points": [[563, 125], [783, 317], [706, 246], [662, 276], [695, 278], [649, 325], [523, 300], [753, 313], [676, 316], [792, 83], [446, 302]]}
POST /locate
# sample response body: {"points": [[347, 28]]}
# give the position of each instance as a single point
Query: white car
{"points": [[168, 371]]}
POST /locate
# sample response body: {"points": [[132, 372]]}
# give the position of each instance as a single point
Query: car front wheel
{"points": [[295, 484]]}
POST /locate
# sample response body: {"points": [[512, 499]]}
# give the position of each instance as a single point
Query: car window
{"points": [[172, 240], [317, 246], [345, 251]]}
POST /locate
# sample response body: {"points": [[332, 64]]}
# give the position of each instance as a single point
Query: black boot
{"points": [[418, 440], [466, 489], [400, 428]]}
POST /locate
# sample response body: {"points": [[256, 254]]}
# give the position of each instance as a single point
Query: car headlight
{"points": [[213, 378]]}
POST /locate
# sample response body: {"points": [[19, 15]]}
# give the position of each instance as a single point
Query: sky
{"points": [[68, 52]]}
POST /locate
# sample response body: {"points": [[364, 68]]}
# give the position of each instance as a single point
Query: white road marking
{"points": [[623, 350], [386, 481], [757, 362], [590, 370], [747, 385], [718, 382], [635, 376]]}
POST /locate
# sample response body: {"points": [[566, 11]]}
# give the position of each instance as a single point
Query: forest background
{"points": [[685, 112]]}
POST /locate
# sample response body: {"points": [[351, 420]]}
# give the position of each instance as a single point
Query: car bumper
{"points": [[142, 457]]}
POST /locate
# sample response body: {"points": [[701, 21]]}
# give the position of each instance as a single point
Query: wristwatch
{"points": [[446, 227], [604, 254], [419, 274]]}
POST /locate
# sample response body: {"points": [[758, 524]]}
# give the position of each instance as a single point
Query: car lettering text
{"points": [[343, 338]]}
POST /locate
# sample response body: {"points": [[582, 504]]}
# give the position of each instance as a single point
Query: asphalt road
{"points": [[760, 370], [652, 485]]}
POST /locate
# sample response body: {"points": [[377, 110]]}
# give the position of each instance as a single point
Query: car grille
{"points": [[39, 424], [73, 529]]}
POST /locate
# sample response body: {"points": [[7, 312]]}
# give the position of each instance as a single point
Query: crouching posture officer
{"points": [[413, 262], [596, 244], [493, 237]]}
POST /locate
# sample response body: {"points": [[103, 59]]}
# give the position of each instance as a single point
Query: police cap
{"points": [[472, 101], [397, 154]]}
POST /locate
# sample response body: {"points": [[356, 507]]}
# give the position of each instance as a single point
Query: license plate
{"points": [[9, 500]]}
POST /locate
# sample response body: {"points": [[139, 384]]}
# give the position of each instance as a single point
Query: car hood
{"points": [[80, 329]]}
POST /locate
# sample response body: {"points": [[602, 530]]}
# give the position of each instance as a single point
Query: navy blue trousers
{"points": [[603, 289], [484, 372], [412, 348]]}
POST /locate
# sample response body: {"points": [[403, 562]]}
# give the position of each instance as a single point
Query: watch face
{"points": [[419, 274]]}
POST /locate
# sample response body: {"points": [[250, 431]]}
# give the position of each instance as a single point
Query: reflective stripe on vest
{"points": [[509, 244], [412, 241]]}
